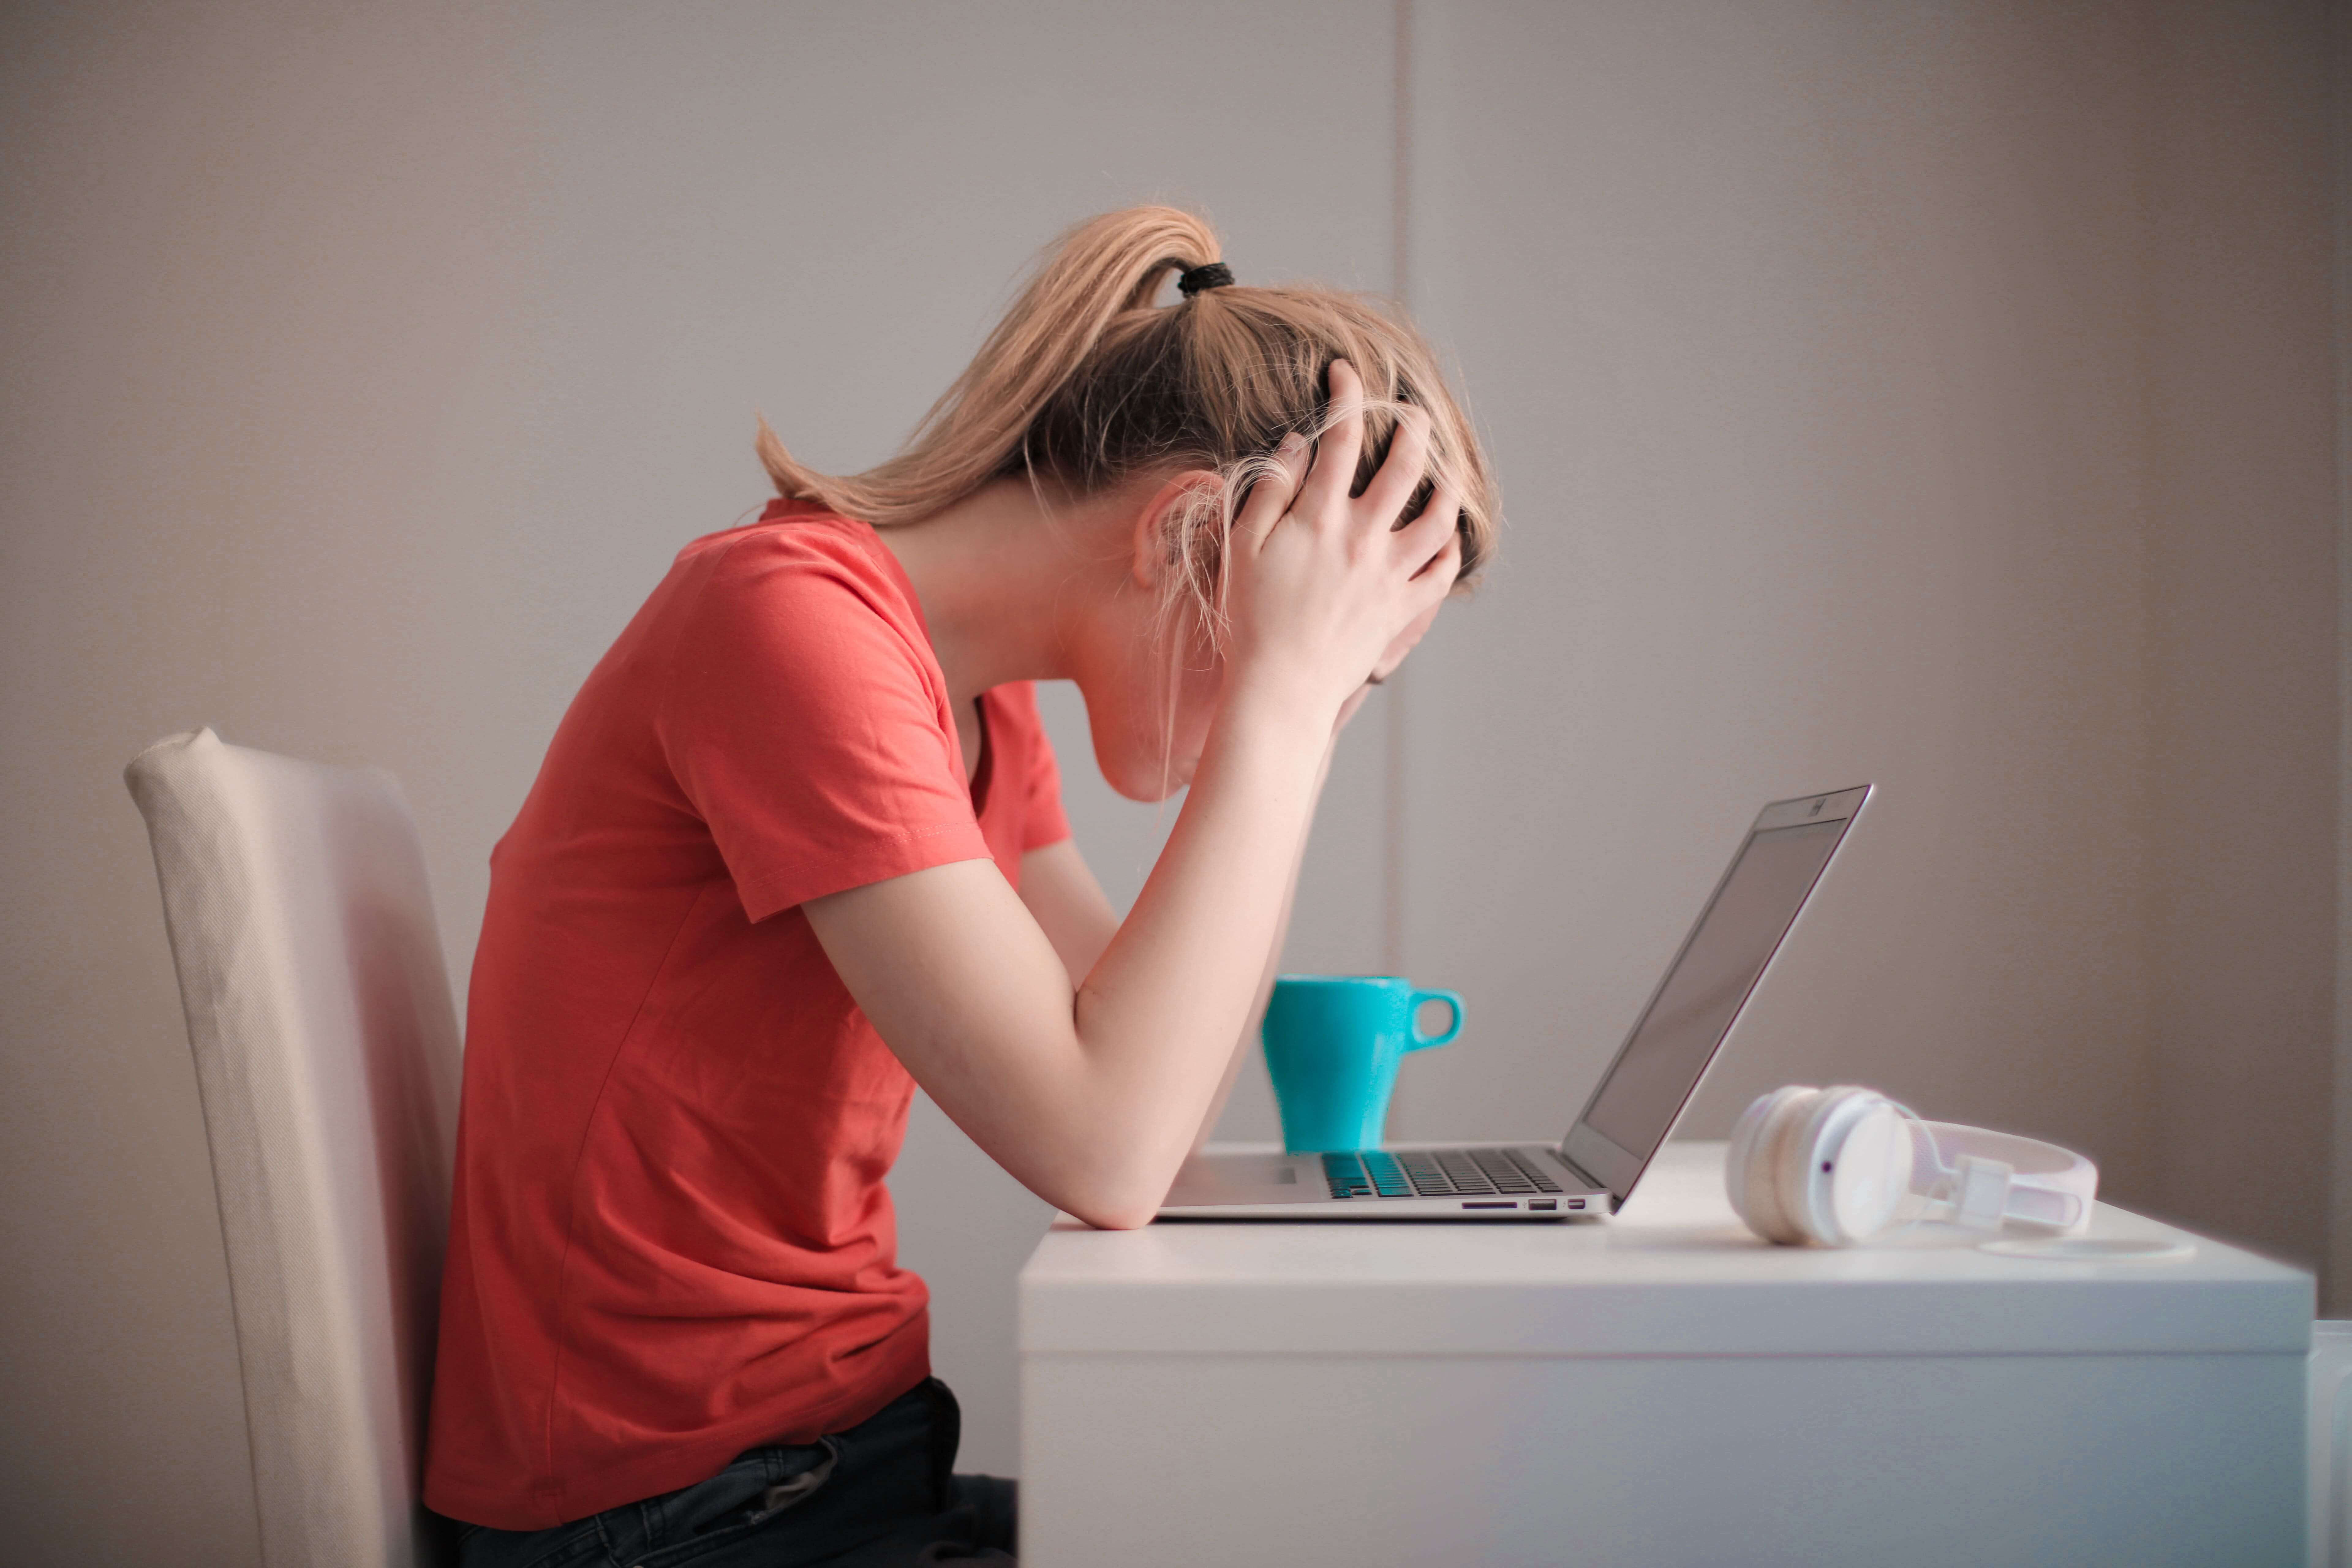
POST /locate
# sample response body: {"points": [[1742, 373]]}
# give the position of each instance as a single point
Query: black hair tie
{"points": [[1210, 275]]}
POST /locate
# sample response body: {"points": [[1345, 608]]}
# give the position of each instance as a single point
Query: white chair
{"points": [[326, 1048]]}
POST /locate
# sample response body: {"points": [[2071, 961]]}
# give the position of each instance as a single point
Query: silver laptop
{"points": [[1593, 1169]]}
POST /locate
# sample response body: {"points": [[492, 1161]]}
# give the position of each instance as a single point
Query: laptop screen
{"points": [[1669, 1049]]}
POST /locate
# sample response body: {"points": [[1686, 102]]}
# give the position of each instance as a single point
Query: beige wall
{"points": [[1932, 395], [1815, 374], [1935, 395], [262, 267], [2242, 595]]}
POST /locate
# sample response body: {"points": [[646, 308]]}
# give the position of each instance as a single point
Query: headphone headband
{"points": [[2047, 1186]]}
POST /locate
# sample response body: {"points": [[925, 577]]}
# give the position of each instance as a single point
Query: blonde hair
{"points": [[1087, 382]]}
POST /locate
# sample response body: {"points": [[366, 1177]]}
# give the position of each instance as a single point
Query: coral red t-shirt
{"points": [[670, 1239]]}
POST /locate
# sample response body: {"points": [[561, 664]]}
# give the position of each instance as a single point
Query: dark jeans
{"points": [[880, 1493]]}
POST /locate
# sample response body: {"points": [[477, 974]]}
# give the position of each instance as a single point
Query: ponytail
{"points": [[1111, 265], [1086, 380]]}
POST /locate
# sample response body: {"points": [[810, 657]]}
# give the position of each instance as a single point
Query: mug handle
{"points": [[1417, 1042]]}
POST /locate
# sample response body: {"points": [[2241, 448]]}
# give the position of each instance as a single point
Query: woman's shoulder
{"points": [[789, 533], [805, 598], [811, 564]]}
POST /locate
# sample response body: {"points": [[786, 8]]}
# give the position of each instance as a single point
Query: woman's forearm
{"points": [[1159, 1016], [1273, 965]]}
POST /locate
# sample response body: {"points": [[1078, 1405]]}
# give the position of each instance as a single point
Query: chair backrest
{"points": [[326, 1048]]}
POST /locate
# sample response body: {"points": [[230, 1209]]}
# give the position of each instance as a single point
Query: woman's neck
{"points": [[1002, 581]]}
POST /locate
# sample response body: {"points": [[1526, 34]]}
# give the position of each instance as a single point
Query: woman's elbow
{"points": [[1119, 1199], [1127, 1217]]}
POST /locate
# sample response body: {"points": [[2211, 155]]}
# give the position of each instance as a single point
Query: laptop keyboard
{"points": [[1436, 1174]]}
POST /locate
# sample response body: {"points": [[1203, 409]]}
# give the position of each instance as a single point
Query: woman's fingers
{"points": [[1270, 497], [1349, 592], [1436, 579], [1334, 474], [1401, 470], [1418, 541]]}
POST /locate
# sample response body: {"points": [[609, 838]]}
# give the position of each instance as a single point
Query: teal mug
{"points": [[1332, 1045]]}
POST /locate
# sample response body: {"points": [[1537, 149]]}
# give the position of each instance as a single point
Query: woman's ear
{"points": [[1151, 549]]}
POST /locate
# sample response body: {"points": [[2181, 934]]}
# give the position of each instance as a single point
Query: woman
{"points": [[797, 847]]}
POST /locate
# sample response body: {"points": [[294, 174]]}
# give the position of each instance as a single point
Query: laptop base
{"points": [[1499, 1181]]}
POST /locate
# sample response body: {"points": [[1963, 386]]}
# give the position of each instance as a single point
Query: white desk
{"points": [[1658, 1390]]}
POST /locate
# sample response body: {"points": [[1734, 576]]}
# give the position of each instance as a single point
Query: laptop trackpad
{"points": [[1223, 1173], [1255, 1170]]}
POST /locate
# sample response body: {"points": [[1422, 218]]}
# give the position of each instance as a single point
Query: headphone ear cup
{"points": [[1740, 1152], [1752, 1163], [1845, 1172], [1795, 1153], [1873, 1173]]}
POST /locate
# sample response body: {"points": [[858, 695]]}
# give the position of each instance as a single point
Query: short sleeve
{"points": [[808, 729]]}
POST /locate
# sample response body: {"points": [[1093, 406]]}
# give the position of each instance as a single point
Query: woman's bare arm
{"points": [[1397, 650], [1076, 917], [1089, 1096], [1071, 908]]}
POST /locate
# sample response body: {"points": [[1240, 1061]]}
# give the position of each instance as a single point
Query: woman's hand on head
{"points": [[1323, 590]]}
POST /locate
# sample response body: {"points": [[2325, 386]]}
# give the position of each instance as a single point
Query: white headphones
{"points": [[1837, 1166]]}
